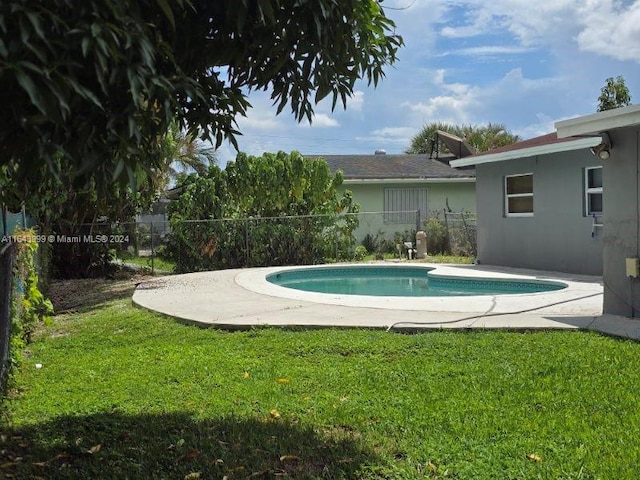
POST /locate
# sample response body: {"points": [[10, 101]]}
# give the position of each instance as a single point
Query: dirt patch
{"points": [[83, 293]]}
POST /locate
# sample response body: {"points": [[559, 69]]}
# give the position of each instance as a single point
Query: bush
{"points": [[360, 253], [28, 306], [437, 236], [277, 209], [370, 243]]}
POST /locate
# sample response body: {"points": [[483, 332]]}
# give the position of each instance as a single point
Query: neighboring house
{"points": [[567, 201], [394, 187], [156, 220]]}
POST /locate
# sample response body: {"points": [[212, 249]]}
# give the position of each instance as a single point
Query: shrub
{"points": [[28, 305], [437, 236], [370, 243], [360, 253], [277, 209]]}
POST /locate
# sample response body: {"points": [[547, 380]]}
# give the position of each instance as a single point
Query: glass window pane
{"points": [[595, 203], [594, 177], [521, 205], [520, 184]]}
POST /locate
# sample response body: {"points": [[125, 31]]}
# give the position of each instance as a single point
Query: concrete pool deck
{"points": [[242, 298]]}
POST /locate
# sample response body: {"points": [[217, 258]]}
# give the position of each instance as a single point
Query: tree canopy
{"points": [[275, 209], [481, 137], [614, 94], [98, 82]]}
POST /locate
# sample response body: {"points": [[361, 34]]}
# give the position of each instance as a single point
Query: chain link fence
{"points": [[7, 257], [462, 233], [192, 245]]}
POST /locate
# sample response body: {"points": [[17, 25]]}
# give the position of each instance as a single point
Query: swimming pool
{"points": [[393, 281]]}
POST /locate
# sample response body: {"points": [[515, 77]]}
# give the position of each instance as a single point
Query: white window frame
{"points": [[508, 196], [401, 203], [590, 191]]}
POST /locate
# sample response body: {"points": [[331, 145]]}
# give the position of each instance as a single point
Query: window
{"points": [[400, 204], [518, 201], [593, 190]]}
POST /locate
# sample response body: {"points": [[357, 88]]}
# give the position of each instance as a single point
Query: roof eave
{"points": [[567, 146], [356, 181], [599, 122]]}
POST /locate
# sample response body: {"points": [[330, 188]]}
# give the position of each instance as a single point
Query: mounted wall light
{"points": [[603, 150]]}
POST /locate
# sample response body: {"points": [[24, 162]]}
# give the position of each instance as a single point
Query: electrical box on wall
{"points": [[633, 267]]}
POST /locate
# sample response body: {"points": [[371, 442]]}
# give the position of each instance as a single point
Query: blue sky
{"points": [[521, 63]]}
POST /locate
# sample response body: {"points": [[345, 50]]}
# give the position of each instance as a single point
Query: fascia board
{"points": [[577, 144], [599, 122], [375, 181]]}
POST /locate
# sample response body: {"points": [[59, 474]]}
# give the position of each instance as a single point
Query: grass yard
{"points": [[160, 265], [164, 266], [124, 393]]}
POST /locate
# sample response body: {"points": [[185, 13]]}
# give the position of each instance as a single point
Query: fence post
{"points": [[246, 243], [153, 253], [448, 237], [7, 254]]}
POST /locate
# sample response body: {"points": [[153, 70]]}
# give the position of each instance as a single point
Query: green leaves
{"points": [[614, 94], [100, 81], [276, 209]]}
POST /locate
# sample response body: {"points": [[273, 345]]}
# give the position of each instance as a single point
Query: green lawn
{"points": [[124, 393], [160, 265]]}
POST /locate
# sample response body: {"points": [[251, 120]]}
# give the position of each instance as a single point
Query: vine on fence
{"points": [[29, 305]]}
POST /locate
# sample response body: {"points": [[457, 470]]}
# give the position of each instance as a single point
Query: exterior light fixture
{"points": [[603, 150]]}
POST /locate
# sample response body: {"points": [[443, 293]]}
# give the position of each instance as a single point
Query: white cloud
{"points": [[607, 27], [356, 101], [261, 116], [544, 125], [611, 30], [321, 120], [481, 21], [530, 22], [402, 132], [489, 50], [452, 106]]}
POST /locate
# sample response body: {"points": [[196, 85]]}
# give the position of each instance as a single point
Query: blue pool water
{"points": [[400, 282]]}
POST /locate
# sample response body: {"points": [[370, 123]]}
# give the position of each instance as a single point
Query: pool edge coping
{"points": [[578, 287]]}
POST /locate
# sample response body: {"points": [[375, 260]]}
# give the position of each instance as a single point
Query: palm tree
{"points": [[182, 153], [481, 137]]}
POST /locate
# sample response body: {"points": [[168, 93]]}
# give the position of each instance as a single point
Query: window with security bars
{"points": [[401, 204], [593, 190]]}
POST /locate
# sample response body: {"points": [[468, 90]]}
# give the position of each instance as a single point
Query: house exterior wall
{"points": [[621, 197], [370, 197], [558, 237]]}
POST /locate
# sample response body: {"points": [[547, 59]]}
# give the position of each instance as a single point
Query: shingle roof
{"points": [[547, 139], [403, 166], [542, 145]]}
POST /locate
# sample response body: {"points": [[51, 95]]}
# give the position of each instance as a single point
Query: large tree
{"points": [[614, 94], [480, 137], [98, 82]]}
